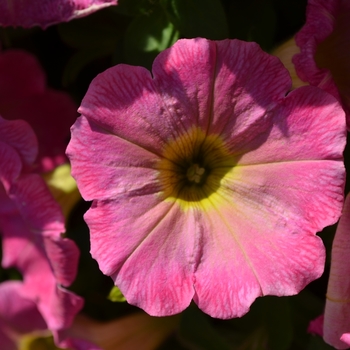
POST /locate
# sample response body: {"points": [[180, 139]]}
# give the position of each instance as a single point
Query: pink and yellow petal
{"points": [[220, 80], [258, 239], [336, 327]]}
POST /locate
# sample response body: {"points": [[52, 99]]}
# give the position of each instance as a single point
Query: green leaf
{"points": [[196, 330], [116, 295], [197, 18], [147, 36]]}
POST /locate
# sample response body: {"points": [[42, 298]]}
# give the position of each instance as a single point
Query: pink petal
{"points": [[47, 12], [17, 315], [316, 326], [32, 243], [324, 54], [337, 311], [154, 265], [346, 338], [275, 251], [224, 76], [36, 205], [21, 315], [51, 115], [115, 166], [24, 95], [132, 108], [137, 103], [19, 135], [306, 116], [9, 173]]}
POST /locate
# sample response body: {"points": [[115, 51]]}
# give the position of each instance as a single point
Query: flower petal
{"points": [[88, 153], [19, 314], [307, 116], [220, 81], [149, 253], [324, 55], [47, 12], [32, 243], [258, 239], [19, 135], [50, 114]]}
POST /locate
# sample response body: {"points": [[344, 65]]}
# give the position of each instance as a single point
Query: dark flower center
{"points": [[193, 166]]}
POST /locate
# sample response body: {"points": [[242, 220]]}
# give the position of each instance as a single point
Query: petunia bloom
{"points": [[25, 95], [31, 225], [44, 13], [208, 179], [325, 51], [336, 326]]}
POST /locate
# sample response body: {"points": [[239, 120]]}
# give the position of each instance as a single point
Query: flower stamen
{"points": [[194, 173]]}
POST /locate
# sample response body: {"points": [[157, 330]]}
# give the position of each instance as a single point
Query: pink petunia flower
{"points": [[31, 224], [209, 179], [24, 95], [44, 13], [325, 51], [336, 326]]}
